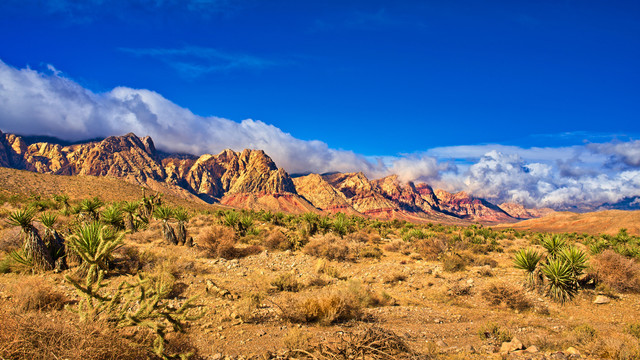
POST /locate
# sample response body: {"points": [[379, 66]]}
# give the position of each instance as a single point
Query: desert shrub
{"points": [[328, 246], [325, 267], [502, 293], [371, 342], [633, 329], [584, 333], [616, 271], [130, 260], [287, 282], [366, 297], [36, 294], [494, 333], [485, 261], [453, 263], [394, 277], [397, 246], [372, 252], [218, 241], [459, 289], [295, 340], [277, 240], [325, 308], [431, 249]]}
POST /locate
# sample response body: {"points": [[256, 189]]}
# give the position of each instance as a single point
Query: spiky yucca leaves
{"points": [[311, 219], [245, 222], [95, 243], [33, 247], [231, 219], [267, 216], [141, 303], [553, 244], [90, 209], [53, 240], [63, 202], [341, 224], [576, 259], [324, 224], [165, 213], [560, 281], [182, 216], [278, 218], [527, 260], [112, 216], [130, 208], [148, 205]]}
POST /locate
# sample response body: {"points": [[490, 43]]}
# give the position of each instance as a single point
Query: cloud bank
{"points": [[582, 176]]}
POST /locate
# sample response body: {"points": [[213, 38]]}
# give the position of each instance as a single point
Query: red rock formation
{"points": [[322, 195], [468, 207], [520, 212]]}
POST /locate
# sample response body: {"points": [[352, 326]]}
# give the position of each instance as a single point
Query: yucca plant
{"points": [[53, 240], [267, 216], [95, 243], [91, 208], [112, 216], [560, 281], [324, 224], [245, 222], [553, 244], [147, 205], [341, 225], [182, 216], [527, 260], [312, 222], [231, 219], [33, 246], [278, 218], [165, 213], [576, 259], [130, 208], [63, 202]]}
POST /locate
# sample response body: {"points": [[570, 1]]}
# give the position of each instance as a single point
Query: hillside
{"points": [[605, 222]]}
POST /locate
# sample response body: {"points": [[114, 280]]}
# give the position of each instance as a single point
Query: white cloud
{"points": [[38, 103]]}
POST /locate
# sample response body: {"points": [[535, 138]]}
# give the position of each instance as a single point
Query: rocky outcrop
{"points": [[360, 193], [520, 212], [315, 189], [468, 207]]}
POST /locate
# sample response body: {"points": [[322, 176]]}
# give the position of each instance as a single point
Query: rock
{"points": [[573, 351], [601, 299], [441, 344], [511, 346], [532, 349]]}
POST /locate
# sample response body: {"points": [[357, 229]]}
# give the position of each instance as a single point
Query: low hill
{"points": [[600, 222]]}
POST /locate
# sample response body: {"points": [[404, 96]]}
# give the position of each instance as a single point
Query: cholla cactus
{"points": [[141, 303]]}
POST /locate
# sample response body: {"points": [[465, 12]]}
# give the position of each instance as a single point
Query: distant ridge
{"points": [[250, 179]]}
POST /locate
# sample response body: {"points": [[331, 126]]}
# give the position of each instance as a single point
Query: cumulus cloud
{"points": [[584, 176]]}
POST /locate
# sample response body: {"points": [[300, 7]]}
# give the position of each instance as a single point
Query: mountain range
{"points": [[250, 179]]}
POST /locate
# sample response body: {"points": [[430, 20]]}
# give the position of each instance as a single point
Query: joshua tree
{"points": [[34, 248], [53, 240], [91, 208], [63, 201], [165, 214], [130, 208], [181, 231], [148, 205]]}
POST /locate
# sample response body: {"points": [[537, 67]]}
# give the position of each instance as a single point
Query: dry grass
{"points": [[325, 308], [453, 263], [329, 246], [370, 342], [505, 294], [36, 294], [277, 240], [430, 249], [287, 282], [616, 271], [398, 245], [37, 337]]}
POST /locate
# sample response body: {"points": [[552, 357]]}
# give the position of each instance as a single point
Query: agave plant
{"points": [[33, 247], [553, 244], [53, 240], [112, 216], [95, 243], [560, 280], [527, 260], [165, 213], [182, 216]]}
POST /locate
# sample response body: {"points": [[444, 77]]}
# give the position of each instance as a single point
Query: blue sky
{"points": [[379, 80]]}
